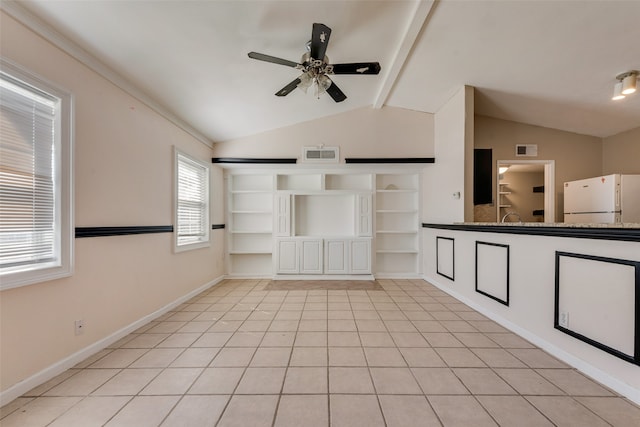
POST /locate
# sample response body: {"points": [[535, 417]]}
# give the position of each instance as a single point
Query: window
{"points": [[192, 203], [36, 241]]}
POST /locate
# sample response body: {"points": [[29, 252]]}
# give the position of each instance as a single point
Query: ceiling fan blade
{"points": [[357, 68], [319, 41], [273, 59], [288, 88], [335, 92]]}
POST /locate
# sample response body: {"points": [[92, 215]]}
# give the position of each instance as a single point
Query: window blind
{"points": [[192, 199], [29, 235]]}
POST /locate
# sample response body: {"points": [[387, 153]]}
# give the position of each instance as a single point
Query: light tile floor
{"points": [[237, 355]]}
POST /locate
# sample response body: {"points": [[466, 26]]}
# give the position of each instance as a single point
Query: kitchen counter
{"points": [[629, 232], [552, 224]]}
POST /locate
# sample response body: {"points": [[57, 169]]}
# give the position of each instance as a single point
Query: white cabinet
{"points": [[336, 256], [360, 256], [282, 226], [363, 212], [287, 256], [303, 255], [298, 256], [311, 256]]}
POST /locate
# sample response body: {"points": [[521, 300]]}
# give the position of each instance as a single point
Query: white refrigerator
{"points": [[607, 199]]}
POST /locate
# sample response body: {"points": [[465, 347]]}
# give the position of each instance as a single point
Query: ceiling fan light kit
{"points": [[625, 85], [315, 71]]}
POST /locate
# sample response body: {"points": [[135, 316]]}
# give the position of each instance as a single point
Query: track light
{"points": [[629, 84], [617, 92], [626, 84]]}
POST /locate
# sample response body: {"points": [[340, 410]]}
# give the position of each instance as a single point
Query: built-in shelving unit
{"points": [[306, 222], [250, 223], [397, 224], [322, 224], [503, 191]]}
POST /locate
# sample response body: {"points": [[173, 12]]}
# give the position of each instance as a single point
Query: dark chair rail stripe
{"points": [[217, 226], [121, 231]]}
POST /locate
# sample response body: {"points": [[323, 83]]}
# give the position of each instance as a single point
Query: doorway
{"points": [[525, 191]]}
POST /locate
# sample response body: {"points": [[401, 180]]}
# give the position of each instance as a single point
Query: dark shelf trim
{"points": [[621, 234], [82, 232], [217, 226], [242, 160], [390, 160]]}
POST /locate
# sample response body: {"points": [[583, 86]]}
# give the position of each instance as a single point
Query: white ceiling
{"points": [[547, 63]]}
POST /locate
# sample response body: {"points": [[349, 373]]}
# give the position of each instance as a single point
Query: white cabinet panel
{"points": [[336, 256], [287, 257], [282, 215], [311, 256], [364, 217], [299, 255], [360, 256]]}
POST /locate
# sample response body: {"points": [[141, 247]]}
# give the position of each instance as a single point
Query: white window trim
{"points": [[64, 178], [197, 245]]}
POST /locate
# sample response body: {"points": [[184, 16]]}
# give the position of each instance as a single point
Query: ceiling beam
{"points": [[420, 15]]}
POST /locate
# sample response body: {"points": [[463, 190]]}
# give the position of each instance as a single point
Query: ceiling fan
{"points": [[315, 66]]}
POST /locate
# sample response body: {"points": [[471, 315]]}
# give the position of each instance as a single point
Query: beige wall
{"points": [[621, 153], [576, 156], [447, 175], [123, 176], [365, 132]]}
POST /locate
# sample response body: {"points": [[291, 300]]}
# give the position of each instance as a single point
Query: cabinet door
{"points": [[363, 215], [336, 258], [311, 256], [282, 226], [360, 256], [287, 257]]}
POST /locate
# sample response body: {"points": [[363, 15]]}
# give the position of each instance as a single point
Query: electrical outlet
{"points": [[564, 319], [79, 326]]}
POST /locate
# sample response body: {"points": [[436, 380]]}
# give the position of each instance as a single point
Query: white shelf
{"points": [[251, 212], [396, 211], [397, 191], [504, 192], [249, 217], [250, 192], [397, 208], [397, 231]]}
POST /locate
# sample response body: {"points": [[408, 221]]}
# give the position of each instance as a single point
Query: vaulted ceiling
{"points": [[547, 63]]}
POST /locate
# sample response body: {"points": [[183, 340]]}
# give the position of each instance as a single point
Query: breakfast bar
{"points": [[572, 289]]}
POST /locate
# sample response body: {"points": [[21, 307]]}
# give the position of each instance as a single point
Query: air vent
{"points": [[528, 150], [320, 154]]}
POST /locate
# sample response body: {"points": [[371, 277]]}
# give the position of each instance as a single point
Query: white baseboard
{"points": [[68, 362], [613, 383], [323, 277]]}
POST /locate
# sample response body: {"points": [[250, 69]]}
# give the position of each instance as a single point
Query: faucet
{"points": [[511, 213]]}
